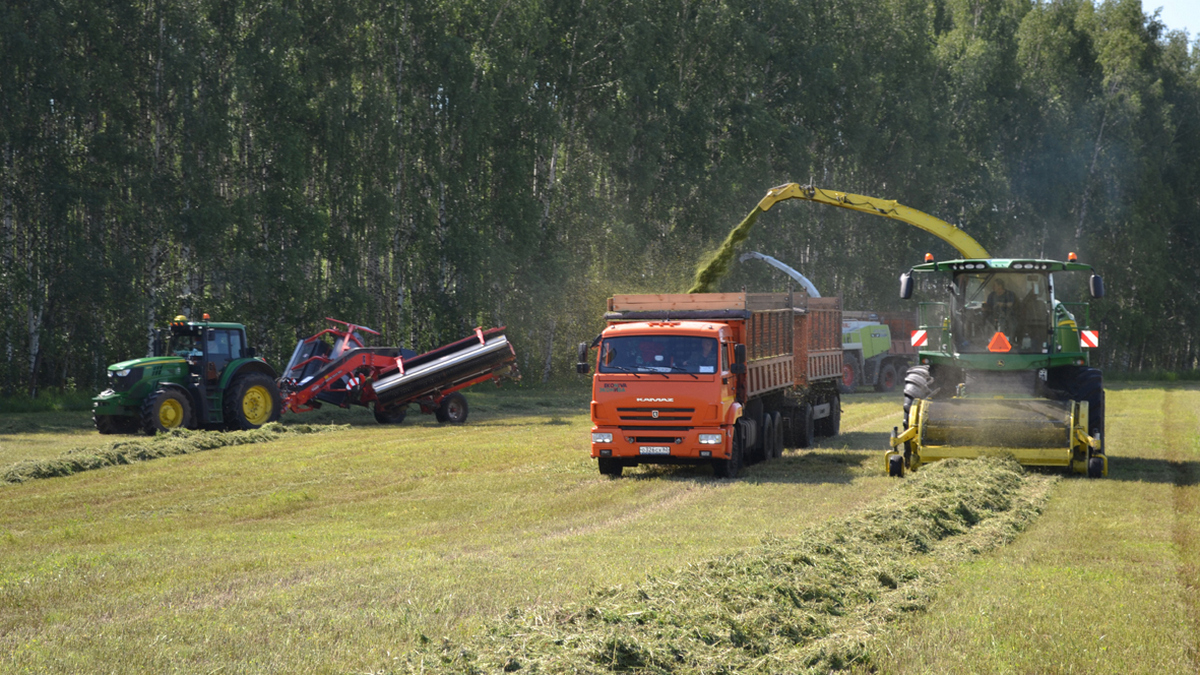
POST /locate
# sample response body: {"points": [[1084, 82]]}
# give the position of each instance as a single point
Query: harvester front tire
{"points": [[1095, 467], [452, 410], [850, 375], [164, 410], [896, 466], [394, 415], [610, 467], [251, 401]]}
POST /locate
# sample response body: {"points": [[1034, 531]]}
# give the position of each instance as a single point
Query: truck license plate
{"points": [[655, 450]]}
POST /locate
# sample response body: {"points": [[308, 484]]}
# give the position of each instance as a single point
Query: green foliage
{"points": [[429, 167]]}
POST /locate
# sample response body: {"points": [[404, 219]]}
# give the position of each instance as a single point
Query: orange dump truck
{"points": [[720, 378]]}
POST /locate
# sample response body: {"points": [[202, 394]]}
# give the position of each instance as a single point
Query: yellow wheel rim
{"points": [[170, 414], [256, 405]]}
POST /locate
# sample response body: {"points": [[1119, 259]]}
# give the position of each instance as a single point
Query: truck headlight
{"points": [[711, 439], [601, 438], [122, 373]]}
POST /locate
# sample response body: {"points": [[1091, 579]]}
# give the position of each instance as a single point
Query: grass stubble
{"points": [[807, 604]]}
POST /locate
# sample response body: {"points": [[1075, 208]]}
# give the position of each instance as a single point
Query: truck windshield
{"points": [[1017, 305], [658, 354]]}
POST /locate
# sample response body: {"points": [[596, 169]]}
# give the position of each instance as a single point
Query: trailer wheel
{"points": [[896, 466], [164, 410], [766, 443], [887, 378], [452, 410], [1095, 467], [832, 425], [251, 401], [394, 415], [729, 468], [610, 467]]}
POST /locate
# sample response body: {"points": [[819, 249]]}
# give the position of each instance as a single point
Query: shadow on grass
{"points": [[796, 467], [1154, 470]]}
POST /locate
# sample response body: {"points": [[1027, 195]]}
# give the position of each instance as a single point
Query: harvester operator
{"points": [[999, 305]]}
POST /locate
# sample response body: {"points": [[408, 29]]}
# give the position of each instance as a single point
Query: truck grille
{"points": [[663, 414]]}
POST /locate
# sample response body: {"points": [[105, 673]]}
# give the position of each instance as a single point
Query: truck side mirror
{"points": [[1096, 286], [906, 286], [582, 366], [739, 360]]}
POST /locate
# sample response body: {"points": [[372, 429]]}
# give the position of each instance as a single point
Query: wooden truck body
{"points": [[713, 377]]}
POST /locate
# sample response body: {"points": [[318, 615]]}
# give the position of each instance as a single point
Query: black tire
{"points": [[918, 383], [804, 433], [729, 468], [452, 410], [251, 401], [104, 424], [887, 378], [766, 442], [851, 375], [393, 415], [610, 467], [1095, 467], [166, 409], [777, 438], [896, 466], [832, 425]]}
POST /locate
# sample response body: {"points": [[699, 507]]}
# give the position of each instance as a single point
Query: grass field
{"points": [[342, 551]]}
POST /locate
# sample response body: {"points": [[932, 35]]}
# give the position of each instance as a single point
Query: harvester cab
{"points": [[201, 374], [1003, 364]]}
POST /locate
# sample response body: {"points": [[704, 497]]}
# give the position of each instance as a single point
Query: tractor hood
{"points": [[147, 361]]}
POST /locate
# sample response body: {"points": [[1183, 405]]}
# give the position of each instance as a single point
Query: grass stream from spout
{"points": [[808, 604]]}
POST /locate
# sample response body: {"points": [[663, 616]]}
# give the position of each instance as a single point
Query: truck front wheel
{"points": [[729, 468], [610, 467]]}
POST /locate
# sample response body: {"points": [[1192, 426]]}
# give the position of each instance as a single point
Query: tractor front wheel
{"points": [[164, 410], [251, 401]]}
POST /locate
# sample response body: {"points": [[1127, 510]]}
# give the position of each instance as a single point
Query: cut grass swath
{"points": [[175, 442], [808, 604]]}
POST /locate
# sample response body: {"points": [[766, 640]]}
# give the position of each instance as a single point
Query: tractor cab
{"points": [[208, 347]]}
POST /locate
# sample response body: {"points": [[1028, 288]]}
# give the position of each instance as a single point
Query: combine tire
{"points": [[850, 375], [887, 378], [1095, 467], [251, 401], [452, 409], [394, 415], [729, 468], [896, 466], [164, 410], [610, 467]]}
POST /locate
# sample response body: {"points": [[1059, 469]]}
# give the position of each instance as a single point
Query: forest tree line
{"points": [[428, 167]]}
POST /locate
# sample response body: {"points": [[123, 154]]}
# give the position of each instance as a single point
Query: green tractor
{"points": [[202, 375]]}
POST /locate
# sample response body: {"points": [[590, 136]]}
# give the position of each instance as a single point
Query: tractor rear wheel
{"points": [[251, 401], [164, 410], [452, 409], [393, 415]]}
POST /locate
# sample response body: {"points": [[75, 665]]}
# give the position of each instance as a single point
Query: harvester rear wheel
{"points": [[887, 378], [452, 409], [729, 468], [610, 467], [251, 401], [164, 410], [393, 415]]}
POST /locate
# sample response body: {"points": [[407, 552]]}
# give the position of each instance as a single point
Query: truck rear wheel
{"points": [[251, 401], [804, 431], [832, 425], [777, 437], [452, 409], [164, 410]]}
